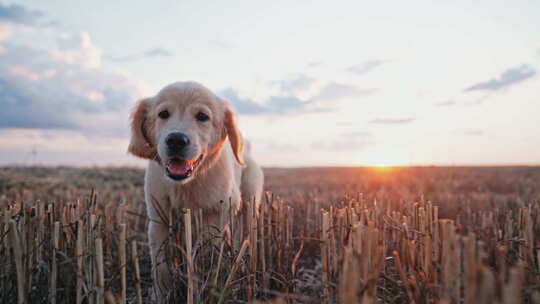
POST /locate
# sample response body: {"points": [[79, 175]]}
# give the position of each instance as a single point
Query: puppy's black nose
{"points": [[176, 141]]}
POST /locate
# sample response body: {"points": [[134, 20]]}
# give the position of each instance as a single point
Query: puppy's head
{"points": [[183, 127]]}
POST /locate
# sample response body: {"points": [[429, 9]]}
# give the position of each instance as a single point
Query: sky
{"points": [[313, 83]]}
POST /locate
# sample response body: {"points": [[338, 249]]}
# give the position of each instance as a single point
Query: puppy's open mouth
{"points": [[179, 169]]}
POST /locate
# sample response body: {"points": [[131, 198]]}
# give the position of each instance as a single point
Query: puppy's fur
{"points": [[226, 173]]}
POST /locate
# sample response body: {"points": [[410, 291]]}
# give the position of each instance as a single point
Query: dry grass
{"points": [[336, 235]]}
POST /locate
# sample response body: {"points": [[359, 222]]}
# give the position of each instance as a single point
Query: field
{"points": [[323, 235]]}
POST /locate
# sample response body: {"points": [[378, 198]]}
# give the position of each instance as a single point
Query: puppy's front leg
{"points": [[158, 235]]}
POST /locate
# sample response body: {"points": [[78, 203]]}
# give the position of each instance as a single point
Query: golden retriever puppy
{"points": [[197, 159]]}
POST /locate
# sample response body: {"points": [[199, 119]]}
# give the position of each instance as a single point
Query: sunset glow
{"points": [[382, 158], [315, 84]]}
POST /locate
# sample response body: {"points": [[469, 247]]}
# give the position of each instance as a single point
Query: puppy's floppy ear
{"points": [[237, 143], [140, 144]]}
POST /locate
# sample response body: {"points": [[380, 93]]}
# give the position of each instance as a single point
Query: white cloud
{"points": [[508, 78], [286, 101], [295, 85], [334, 91], [6, 30], [151, 53], [79, 50], [392, 121], [24, 73], [65, 88], [365, 67], [14, 17], [158, 52], [445, 103]]}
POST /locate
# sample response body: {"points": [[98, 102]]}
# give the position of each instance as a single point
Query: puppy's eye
{"points": [[164, 114], [202, 117]]}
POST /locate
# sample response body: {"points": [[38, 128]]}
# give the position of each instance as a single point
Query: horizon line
{"points": [[135, 166]]}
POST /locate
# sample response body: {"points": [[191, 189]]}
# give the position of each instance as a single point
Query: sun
{"points": [[383, 164], [384, 158]]}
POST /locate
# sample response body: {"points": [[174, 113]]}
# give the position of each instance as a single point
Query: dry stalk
{"points": [[136, 271], [79, 254], [123, 262], [349, 281], [403, 277], [514, 288], [324, 255], [18, 256], [217, 269], [100, 271], [189, 257], [235, 267], [54, 271]]}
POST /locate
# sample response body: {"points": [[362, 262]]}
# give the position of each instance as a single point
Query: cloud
{"points": [[297, 84], [445, 103], [158, 52], [333, 90], [151, 53], [242, 105], [272, 105], [341, 145], [365, 67], [507, 79], [63, 147], [269, 145], [18, 14], [16, 17], [348, 141], [77, 49], [392, 121], [121, 59], [18, 109], [288, 103], [63, 89]]}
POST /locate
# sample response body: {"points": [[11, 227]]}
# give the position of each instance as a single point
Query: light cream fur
{"points": [[226, 174]]}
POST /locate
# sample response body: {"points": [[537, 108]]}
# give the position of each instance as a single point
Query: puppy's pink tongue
{"points": [[178, 167]]}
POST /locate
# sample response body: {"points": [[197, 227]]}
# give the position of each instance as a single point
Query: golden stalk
{"points": [[324, 255], [100, 271], [136, 271], [79, 255], [189, 257], [18, 256], [54, 271], [123, 262]]}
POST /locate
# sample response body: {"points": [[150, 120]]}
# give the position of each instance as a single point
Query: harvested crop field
{"points": [[323, 235]]}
